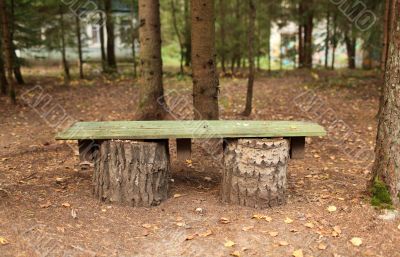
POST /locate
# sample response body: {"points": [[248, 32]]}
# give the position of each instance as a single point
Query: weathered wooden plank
{"points": [[190, 129]]}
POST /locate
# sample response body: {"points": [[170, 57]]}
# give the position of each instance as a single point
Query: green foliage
{"points": [[380, 195]]}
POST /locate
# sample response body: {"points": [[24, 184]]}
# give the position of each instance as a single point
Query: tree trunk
{"points": [[65, 65], [308, 40], [334, 41], [3, 79], [102, 47], [387, 30], [351, 42], [250, 82], [132, 173], [188, 43], [152, 103], [111, 60], [386, 168], [205, 79], [134, 38], [178, 35], [7, 49], [16, 61], [255, 172], [269, 25], [301, 35], [79, 40], [222, 34], [327, 39]]}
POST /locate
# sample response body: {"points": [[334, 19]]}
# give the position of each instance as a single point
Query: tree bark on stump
{"points": [[255, 172], [132, 173]]}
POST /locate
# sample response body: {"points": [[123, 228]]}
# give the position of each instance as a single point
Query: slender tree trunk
{"points": [[222, 34], [328, 36], [308, 41], [152, 103], [134, 37], [7, 49], [188, 43], [3, 79], [178, 35], [102, 44], [205, 79], [79, 40], [111, 60], [301, 35], [351, 41], [387, 30], [269, 25], [16, 61], [250, 82], [334, 41], [67, 76], [386, 168]]}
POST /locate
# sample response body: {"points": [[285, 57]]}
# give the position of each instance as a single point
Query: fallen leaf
{"points": [[273, 233], [322, 246], [283, 243], [180, 224], [61, 229], [298, 253], [229, 243], [309, 225], [45, 205], [206, 234], [146, 225], [336, 231], [66, 205], [74, 213], [398, 227], [331, 208], [3, 241], [224, 220], [356, 241], [262, 217], [288, 220], [177, 195], [247, 228], [190, 237], [235, 253]]}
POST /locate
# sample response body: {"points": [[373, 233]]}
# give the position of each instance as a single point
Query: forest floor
{"points": [[42, 185]]}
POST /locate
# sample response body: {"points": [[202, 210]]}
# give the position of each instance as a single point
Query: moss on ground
{"points": [[380, 195]]}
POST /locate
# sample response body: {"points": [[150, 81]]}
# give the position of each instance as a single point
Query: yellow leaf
{"points": [[398, 227], [322, 246], [3, 241], [356, 241], [288, 220], [247, 228], [180, 224], [229, 243], [331, 208], [224, 220], [235, 253], [177, 195], [298, 253], [206, 234], [146, 225], [66, 205], [309, 225], [283, 243], [190, 237], [273, 233]]}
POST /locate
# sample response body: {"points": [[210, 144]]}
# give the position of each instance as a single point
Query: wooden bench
{"points": [[132, 157]]}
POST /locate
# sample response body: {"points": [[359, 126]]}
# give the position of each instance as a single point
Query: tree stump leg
{"points": [[255, 172], [132, 173]]}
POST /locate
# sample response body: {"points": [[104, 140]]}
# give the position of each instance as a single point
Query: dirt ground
{"points": [[46, 206]]}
